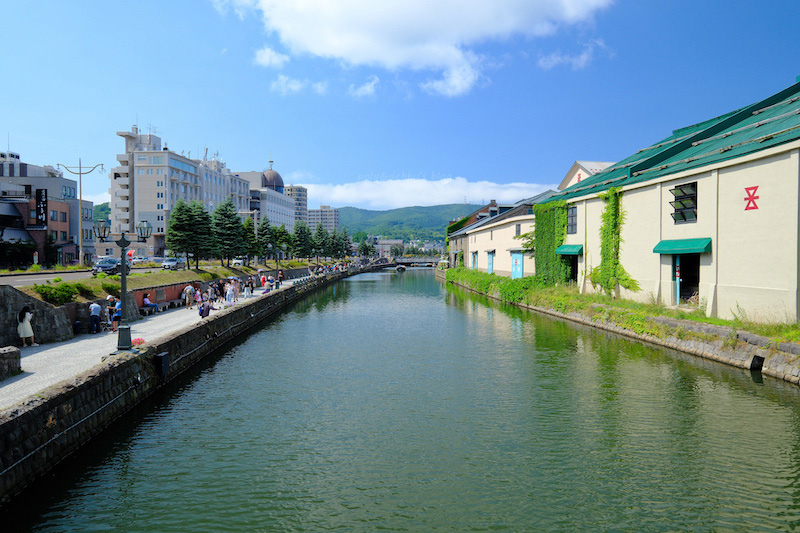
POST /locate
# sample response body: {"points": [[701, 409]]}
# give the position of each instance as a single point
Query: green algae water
{"points": [[392, 402]]}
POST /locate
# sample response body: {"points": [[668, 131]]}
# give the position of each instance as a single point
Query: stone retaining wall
{"points": [[9, 361], [42, 431], [740, 349]]}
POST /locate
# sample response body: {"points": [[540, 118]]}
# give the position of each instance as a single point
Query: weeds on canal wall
{"points": [[633, 316]]}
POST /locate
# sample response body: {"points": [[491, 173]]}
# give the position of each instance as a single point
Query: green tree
{"points": [[228, 232], [202, 241], [360, 236], [282, 236], [396, 250], [366, 250], [265, 236], [322, 241], [253, 248], [180, 228], [303, 241]]}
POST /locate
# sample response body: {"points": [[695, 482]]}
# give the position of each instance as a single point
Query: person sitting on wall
{"points": [[148, 303]]}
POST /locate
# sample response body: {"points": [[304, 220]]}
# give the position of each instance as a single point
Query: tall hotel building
{"points": [[268, 199], [149, 182], [300, 196]]}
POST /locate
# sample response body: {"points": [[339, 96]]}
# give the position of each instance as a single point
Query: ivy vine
{"points": [[610, 272], [548, 234]]}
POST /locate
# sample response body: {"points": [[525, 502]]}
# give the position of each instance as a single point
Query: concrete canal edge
{"points": [[41, 432], [742, 350]]}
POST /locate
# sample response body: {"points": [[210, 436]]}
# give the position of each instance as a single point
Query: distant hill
{"points": [[101, 211], [406, 223]]}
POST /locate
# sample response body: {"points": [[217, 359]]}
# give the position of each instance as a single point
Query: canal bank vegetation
{"points": [[641, 318]]}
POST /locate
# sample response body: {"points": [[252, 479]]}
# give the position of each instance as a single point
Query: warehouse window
{"points": [[572, 220], [685, 203]]}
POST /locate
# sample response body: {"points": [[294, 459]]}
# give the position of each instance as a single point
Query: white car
{"points": [[239, 261], [138, 260]]}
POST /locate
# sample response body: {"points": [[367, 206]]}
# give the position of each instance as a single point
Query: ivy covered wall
{"points": [[610, 272], [549, 232]]}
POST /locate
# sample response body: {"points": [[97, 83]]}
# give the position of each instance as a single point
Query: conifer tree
{"points": [[252, 245], [265, 236], [228, 232], [303, 241], [179, 228], [202, 241], [322, 241]]}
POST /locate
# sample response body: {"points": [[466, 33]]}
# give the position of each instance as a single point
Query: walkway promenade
{"points": [[45, 365]]}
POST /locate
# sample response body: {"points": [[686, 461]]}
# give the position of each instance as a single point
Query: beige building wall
{"points": [[753, 263], [499, 237]]}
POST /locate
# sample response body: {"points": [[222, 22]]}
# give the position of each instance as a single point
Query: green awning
{"points": [[683, 246], [570, 249]]}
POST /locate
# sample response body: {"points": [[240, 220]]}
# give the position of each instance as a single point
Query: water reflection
{"points": [[392, 402]]}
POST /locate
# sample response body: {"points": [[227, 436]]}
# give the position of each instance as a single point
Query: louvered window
{"points": [[685, 203]]}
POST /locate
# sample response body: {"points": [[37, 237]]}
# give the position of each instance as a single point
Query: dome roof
{"points": [[271, 179]]}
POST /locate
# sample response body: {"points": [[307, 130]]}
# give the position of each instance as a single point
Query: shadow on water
{"points": [[25, 511]]}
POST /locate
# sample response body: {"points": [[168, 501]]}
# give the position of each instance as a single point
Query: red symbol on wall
{"points": [[751, 198], [579, 176]]}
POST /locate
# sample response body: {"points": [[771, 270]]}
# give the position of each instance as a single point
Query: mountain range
{"points": [[407, 223]]}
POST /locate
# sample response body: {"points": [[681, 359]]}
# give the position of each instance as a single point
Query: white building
{"points": [[150, 180], [267, 198], [300, 196], [329, 218]]}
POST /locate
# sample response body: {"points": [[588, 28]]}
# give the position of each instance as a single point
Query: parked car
{"points": [[237, 262], [110, 266], [138, 260], [173, 263]]}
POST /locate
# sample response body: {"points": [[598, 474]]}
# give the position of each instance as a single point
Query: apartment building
{"points": [[300, 196], [151, 179], [329, 218], [268, 198]]}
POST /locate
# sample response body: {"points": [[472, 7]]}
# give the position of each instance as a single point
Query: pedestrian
{"points": [[280, 276], [117, 318], [94, 317], [248, 287], [110, 303], [198, 296], [188, 295], [230, 295], [205, 308], [24, 327]]}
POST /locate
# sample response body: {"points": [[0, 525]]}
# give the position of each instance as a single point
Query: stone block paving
{"points": [[45, 365]]}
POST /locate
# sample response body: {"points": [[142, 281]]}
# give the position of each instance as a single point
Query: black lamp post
{"points": [[143, 232]]}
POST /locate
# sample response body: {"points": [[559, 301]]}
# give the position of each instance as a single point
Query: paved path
{"points": [[48, 364]]}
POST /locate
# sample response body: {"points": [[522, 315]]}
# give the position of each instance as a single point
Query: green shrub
{"points": [[56, 294], [35, 268], [84, 291], [101, 275], [111, 288], [58, 280]]}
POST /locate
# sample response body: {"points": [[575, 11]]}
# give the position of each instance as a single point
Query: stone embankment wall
{"points": [[41, 432], [9, 362], [718, 343]]}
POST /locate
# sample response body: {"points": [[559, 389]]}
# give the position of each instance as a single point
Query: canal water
{"points": [[390, 401]]}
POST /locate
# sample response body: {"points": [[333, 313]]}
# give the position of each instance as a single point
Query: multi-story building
{"points": [[72, 214], [267, 198], [300, 196], [151, 180], [329, 218]]}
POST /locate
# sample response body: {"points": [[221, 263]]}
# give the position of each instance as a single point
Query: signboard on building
{"points": [[41, 207]]}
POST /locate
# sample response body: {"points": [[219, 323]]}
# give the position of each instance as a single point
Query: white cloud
{"points": [[391, 194], [577, 62], [285, 85], [368, 89], [267, 57], [421, 35], [320, 87]]}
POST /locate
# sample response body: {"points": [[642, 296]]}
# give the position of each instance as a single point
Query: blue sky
{"points": [[385, 104]]}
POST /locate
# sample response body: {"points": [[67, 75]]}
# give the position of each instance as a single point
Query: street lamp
{"points": [[80, 174], [143, 232], [316, 259]]}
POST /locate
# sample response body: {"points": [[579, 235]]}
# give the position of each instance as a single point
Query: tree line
{"points": [[222, 235]]}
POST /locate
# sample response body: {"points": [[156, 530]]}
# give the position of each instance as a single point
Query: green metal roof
{"points": [[683, 246], [570, 249], [770, 122]]}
